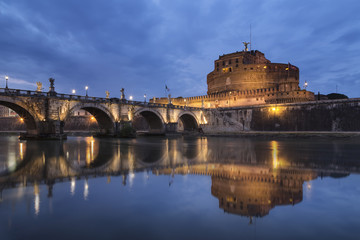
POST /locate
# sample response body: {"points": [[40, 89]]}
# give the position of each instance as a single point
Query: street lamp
{"points": [[86, 89], [73, 91], [144, 97], [131, 98], [6, 78], [305, 85]]}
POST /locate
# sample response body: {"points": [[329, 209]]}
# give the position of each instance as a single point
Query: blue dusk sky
{"points": [[141, 45]]}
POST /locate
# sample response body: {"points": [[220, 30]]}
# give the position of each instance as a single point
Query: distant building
{"points": [[247, 78], [7, 112], [80, 112]]}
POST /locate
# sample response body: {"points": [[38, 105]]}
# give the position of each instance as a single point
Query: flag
{"points": [[166, 88]]}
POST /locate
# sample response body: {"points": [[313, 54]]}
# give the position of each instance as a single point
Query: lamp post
{"points": [[6, 78], [86, 89], [131, 98], [144, 98], [73, 91], [305, 85]]}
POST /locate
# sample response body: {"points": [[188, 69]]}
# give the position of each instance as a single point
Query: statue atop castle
{"points": [[246, 46]]}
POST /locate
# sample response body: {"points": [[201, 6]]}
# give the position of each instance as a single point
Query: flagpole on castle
{"points": [[250, 37]]}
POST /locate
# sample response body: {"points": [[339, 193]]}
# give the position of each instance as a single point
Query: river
{"points": [[180, 188]]}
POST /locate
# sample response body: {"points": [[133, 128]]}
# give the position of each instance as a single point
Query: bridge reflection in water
{"points": [[249, 177]]}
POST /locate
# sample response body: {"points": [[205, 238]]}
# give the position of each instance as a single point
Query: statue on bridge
{"points": [[122, 94], [39, 86], [52, 87], [107, 94]]}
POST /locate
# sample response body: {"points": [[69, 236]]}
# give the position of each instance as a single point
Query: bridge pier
{"points": [[46, 130], [171, 127], [123, 129]]}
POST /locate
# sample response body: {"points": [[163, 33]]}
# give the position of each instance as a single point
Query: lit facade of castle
{"points": [[247, 78]]}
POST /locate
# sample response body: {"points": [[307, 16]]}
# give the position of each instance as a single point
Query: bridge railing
{"points": [[30, 93]]}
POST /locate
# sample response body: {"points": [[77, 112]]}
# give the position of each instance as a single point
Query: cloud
{"points": [[141, 45]]}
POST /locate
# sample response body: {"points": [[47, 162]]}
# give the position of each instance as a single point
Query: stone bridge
{"points": [[45, 113]]}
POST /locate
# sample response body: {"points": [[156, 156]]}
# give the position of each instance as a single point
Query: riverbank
{"points": [[266, 134], [290, 134]]}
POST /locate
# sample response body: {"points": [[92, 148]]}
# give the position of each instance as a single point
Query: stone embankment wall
{"points": [[328, 115], [73, 123], [11, 124]]}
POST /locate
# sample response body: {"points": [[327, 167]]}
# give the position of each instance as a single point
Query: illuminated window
{"points": [[225, 70]]}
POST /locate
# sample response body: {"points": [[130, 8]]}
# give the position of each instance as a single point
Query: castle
{"points": [[250, 190], [247, 78]]}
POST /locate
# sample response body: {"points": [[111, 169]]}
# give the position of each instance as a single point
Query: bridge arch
{"points": [[153, 118], [187, 121], [103, 116], [26, 114]]}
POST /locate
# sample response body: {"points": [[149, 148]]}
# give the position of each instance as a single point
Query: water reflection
{"points": [[248, 177]]}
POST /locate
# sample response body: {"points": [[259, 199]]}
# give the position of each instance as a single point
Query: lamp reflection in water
{"points": [[11, 162], [131, 166], [72, 186], [37, 198], [21, 151], [274, 147], [86, 190], [308, 190], [90, 151]]}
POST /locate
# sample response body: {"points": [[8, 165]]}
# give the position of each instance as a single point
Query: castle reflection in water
{"points": [[249, 177]]}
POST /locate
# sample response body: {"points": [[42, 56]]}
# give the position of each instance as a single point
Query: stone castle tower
{"points": [[249, 70], [247, 78]]}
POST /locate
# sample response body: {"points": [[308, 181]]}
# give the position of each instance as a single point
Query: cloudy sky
{"points": [[141, 45]]}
